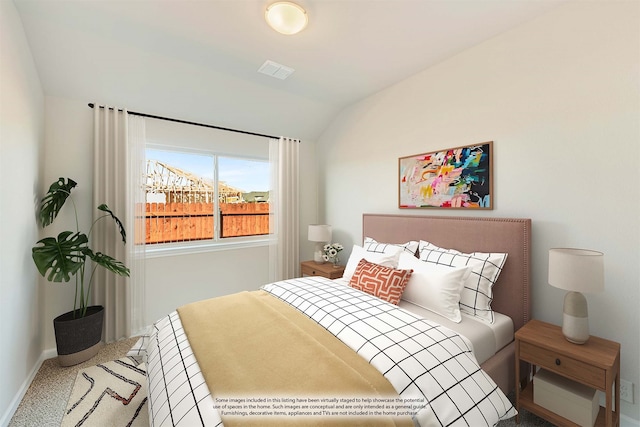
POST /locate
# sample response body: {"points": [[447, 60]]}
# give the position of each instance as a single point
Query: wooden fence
{"points": [[177, 222]]}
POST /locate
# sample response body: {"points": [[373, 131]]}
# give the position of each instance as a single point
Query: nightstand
{"points": [[328, 270], [595, 364]]}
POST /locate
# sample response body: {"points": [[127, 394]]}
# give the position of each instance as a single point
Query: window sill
{"points": [[180, 248]]}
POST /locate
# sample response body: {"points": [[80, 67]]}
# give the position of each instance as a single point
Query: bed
{"points": [[182, 392], [511, 294]]}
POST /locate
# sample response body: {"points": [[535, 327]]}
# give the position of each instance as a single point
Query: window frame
{"points": [[154, 250]]}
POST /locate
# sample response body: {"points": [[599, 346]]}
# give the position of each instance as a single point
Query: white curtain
{"points": [[284, 199], [136, 222], [116, 161]]}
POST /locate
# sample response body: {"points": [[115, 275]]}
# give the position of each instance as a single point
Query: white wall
{"points": [[559, 98], [172, 282], [21, 139]]}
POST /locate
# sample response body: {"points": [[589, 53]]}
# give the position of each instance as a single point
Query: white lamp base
{"points": [[317, 255], [575, 321]]}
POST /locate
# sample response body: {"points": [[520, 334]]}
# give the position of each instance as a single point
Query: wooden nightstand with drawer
{"points": [[595, 364], [328, 270]]}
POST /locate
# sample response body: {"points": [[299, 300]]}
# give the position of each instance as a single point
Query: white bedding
{"points": [[486, 339], [426, 359], [178, 393]]}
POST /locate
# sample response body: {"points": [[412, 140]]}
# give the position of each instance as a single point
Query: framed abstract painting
{"points": [[454, 178]]}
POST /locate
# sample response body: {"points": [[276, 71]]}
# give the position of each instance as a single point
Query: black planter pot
{"points": [[79, 339]]}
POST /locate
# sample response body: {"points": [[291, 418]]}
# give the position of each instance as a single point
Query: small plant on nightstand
{"points": [[331, 252]]}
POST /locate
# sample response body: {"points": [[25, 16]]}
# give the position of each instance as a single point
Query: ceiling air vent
{"points": [[276, 70]]}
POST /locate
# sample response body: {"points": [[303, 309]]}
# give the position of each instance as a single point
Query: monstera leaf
{"points": [[53, 201], [107, 262], [59, 258], [105, 208]]}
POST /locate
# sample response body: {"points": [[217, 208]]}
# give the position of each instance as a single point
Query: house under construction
{"points": [[181, 186]]}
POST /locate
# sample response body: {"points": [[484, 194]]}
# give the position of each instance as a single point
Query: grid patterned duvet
{"points": [[420, 358]]}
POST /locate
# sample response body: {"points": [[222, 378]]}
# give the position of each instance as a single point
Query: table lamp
{"points": [[321, 234], [577, 271]]}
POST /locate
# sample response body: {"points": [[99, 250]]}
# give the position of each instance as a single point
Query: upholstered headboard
{"points": [[511, 294]]}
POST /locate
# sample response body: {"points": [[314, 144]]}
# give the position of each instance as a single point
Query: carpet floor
{"points": [[45, 401]]}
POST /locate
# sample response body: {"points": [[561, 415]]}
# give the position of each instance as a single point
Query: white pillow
{"points": [[477, 293], [371, 245], [434, 287], [389, 258]]}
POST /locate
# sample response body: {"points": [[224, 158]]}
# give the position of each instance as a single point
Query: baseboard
{"points": [[49, 354], [625, 421], [628, 422], [6, 418]]}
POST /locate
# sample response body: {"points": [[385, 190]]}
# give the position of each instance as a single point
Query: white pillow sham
{"points": [[434, 287], [389, 258], [371, 245], [477, 293]]}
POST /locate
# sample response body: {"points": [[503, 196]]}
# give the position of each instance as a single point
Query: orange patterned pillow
{"points": [[383, 282]]}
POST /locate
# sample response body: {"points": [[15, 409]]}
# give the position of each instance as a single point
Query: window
{"points": [[199, 196]]}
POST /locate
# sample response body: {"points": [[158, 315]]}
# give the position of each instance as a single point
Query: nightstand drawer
{"points": [[328, 270], [311, 271], [575, 369]]}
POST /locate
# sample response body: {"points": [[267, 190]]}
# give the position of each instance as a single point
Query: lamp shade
{"points": [[577, 270], [286, 17], [319, 233]]}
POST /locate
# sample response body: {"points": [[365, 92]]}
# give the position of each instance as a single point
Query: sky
{"points": [[245, 174]]}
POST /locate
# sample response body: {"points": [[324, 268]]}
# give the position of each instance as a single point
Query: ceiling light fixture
{"points": [[286, 17]]}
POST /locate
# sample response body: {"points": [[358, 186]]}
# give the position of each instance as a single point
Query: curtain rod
{"points": [[92, 105]]}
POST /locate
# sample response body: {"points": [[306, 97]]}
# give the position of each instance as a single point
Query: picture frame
{"points": [[452, 178]]}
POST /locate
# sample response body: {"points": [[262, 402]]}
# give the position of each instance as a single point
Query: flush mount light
{"points": [[286, 17]]}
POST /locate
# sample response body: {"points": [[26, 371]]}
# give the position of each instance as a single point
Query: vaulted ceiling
{"points": [[198, 60]]}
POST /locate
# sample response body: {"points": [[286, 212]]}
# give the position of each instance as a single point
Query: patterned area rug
{"points": [[109, 394]]}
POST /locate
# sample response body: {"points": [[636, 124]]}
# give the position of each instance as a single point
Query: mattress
{"points": [[486, 339]]}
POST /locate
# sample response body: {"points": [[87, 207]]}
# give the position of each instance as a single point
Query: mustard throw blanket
{"points": [[251, 344]]}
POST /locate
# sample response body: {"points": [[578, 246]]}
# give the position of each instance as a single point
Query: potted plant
{"points": [[78, 332]]}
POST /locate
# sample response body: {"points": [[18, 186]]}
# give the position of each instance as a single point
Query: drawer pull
{"points": [[558, 362], [313, 272]]}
